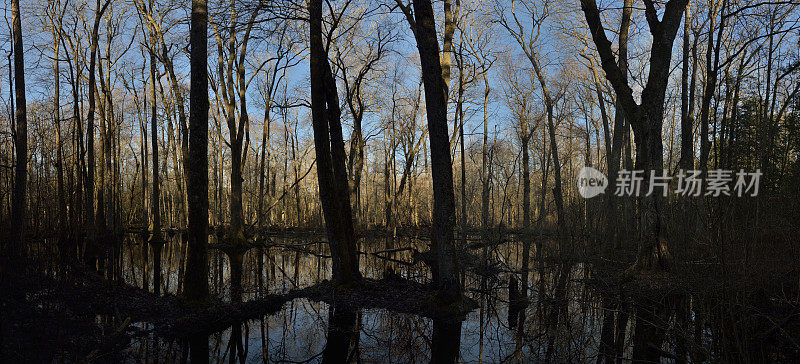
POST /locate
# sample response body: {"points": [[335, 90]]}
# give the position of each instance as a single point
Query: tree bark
{"points": [[620, 134], [712, 52], [196, 281], [89, 193], [17, 244], [62, 206], [645, 119], [446, 272], [329, 149], [485, 168], [156, 191], [687, 142]]}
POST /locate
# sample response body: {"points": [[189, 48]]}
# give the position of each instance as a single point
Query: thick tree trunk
{"points": [[343, 335], [445, 341], [329, 148], [621, 131], [447, 42], [196, 281], [441, 165], [356, 161], [235, 203], [645, 119], [17, 243]]}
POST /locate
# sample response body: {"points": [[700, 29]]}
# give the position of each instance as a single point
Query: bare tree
{"points": [[329, 148], [356, 73], [527, 40], [423, 26], [645, 118], [17, 244]]}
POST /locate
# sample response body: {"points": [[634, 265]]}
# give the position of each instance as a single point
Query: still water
{"points": [[306, 331]]}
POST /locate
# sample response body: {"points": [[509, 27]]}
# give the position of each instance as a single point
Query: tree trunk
{"points": [[63, 225], [557, 194], [196, 281], [264, 160], [645, 119], [446, 274], [329, 148], [92, 249], [526, 221], [235, 203], [687, 141], [184, 129], [156, 192], [17, 244], [620, 134], [356, 160], [460, 115], [484, 166]]}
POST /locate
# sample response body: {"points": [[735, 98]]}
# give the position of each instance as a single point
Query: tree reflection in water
{"points": [[564, 318], [343, 334], [446, 340]]}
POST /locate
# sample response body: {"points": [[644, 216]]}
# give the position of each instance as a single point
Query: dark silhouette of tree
{"points": [[329, 148], [645, 118], [21, 140], [196, 281], [445, 270]]}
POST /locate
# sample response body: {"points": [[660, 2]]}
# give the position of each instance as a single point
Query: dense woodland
{"points": [[226, 130]]}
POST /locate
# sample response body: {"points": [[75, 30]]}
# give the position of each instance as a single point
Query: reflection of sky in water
{"points": [[298, 332]]}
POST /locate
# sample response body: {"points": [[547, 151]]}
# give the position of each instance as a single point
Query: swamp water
{"points": [[563, 320]]}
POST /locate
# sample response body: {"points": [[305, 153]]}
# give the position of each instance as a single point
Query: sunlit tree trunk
{"points": [[460, 116]]}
